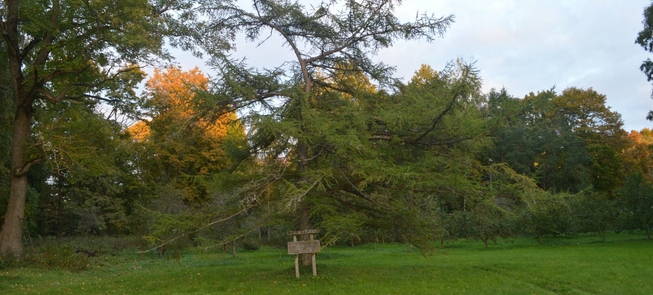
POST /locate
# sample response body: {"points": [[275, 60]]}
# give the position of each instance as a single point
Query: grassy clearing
{"points": [[579, 265]]}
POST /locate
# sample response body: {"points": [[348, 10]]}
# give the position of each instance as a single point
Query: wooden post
{"points": [[313, 259], [233, 249], [297, 266], [294, 239]]}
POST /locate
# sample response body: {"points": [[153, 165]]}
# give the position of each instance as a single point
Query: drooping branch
{"points": [[438, 118], [199, 229]]}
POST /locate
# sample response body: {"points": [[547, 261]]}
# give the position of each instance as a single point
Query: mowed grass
{"points": [[579, 265]]}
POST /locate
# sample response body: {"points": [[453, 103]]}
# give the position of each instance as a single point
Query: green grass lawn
{"points": [[579, 265]]}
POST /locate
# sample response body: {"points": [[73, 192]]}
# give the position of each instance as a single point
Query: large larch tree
{"points": [[321, 135]]}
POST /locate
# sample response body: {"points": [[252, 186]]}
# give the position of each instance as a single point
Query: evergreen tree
{"points": [[322, 134]]}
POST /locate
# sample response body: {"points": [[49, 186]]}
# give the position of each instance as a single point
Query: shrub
{"points": [[53, 256], [251, 245]]}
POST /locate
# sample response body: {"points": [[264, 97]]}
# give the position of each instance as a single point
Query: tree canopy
{"points": [[328, 139], [69, 50]]}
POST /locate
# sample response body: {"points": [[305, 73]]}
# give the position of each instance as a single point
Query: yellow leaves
{"points": [[424, 75], [139, 131]]}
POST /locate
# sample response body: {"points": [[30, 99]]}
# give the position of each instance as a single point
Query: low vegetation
{"points": [[563, 265]]}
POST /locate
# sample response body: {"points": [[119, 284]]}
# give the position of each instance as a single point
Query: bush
{"points": [[53, 256], [251, 245]]}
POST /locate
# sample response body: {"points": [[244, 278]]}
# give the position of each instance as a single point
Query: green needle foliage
{"points": [[321, 127]]}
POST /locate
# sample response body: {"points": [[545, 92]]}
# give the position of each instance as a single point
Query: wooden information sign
{"points": [[304, 247]]}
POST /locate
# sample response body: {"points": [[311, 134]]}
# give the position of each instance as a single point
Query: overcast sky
{"points": [[525, 46]]}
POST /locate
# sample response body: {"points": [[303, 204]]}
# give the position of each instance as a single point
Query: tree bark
{"points": [[304, 224], [12, 229], [539, 237]]}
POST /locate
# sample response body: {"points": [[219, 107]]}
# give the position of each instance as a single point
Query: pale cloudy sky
{"points": [[524, 46]]}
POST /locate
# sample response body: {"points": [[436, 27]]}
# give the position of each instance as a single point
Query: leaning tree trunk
{"points": [[12, 229]]}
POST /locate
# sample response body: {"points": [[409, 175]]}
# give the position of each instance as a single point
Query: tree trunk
{"points": [[602, 235], [539, 237], [304, 224], [12, 229]]}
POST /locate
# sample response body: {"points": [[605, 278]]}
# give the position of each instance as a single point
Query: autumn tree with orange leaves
{"points": [[178, 147], [637, 155]]}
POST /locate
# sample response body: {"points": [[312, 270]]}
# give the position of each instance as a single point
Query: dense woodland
{"points": [[329, 140]]}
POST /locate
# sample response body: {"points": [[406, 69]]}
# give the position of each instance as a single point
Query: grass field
{"points": [[579, 265]]}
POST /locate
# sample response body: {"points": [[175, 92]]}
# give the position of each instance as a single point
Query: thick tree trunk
{"points": [[12, 229], [304, 224]]}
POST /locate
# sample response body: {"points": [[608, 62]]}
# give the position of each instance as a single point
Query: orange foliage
{"points": [[178, 141], [638, 155], [139, 131], [635, 136], [175, 89], [171, 94]]}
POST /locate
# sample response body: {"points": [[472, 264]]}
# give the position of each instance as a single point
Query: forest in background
{"points": [[330, 140]]}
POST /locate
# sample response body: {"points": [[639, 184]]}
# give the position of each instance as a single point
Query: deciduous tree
{"points": [[645, 39], [59, 50], [567, 141], [180, 144], [636, 203]]}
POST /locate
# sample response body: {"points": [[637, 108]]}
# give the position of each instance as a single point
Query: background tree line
{"points": [[328, 140]]}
